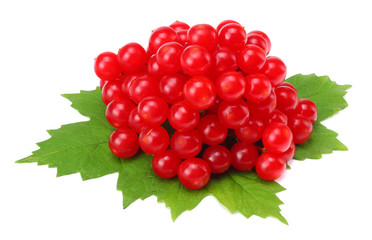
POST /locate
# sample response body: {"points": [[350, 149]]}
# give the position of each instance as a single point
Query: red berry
{"points": [[251, 58], [183, 117], [288, 155], [218, 158], [153, 140], [224, 60], [307, 108], [160, 36], [277, 137], [301, 128], [123, 142], [264, 107], [128, 81], [204, 35], [153, 68], [230, 86], [143, 87], [276, 116], [196, 60], [168, 57], [166, 164], [233, 114], [186, 144], [286, 99], [258, 87], [233, 36], [223, 23], [117, 112], [194, 173], [153, 110], [178, 26], [270, 166], [135, 122], [112, 90], [244, 156], [212, 131], [287, 84], [171, 87], [259, 41], [262, 34], [132, 58], [106, 66], [275, 70], [199, 92], [182, 36], [102, 83], [252, 131]]}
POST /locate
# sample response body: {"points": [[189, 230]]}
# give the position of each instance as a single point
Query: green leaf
{"points": [[326, 94], [80, 147], [238, 191]]}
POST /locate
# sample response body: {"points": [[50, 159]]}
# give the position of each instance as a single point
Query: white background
{"points": [[47, 48]]}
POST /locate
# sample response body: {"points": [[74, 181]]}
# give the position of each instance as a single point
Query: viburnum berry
{"points": [[106, 66], [132, 58], [135, 122], [307, 108], [224, 60], [196, 60], [112, 90], [301, 128], [218, 158], [286, 99], [252, 131], [233, 114], [123, 142], [259, 41], [233, 36], [153, 68], [276, 116], [223, 23], [230, 86], [153, 140], [244, 156], [160, 36], [265, 107], [257, 87], [262, 34], [128, 81], [183, 117], [186, 144], [166, 164], [171, 87], [212, 130], [194, 173], [179, 26], [182, 36], [270, 166], [143, 87], [288, 155], [277, 137], [199, 92], [153, 110], [251, 58], [168, 57], [117, 112], [204, 35], [275, 70]]}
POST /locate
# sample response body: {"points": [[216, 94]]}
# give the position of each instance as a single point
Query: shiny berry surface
{"points": [[264, 35], [123, 142], [244, 156], [218, 158], [166, 164], [224, 60], [252, 131], [258, 87], [275, 70], [143, 87], [117, 112], [153, 110], [106, 66], [270, 166], [277, 137], [301, 128], [286, 99], [183, 117], [194, 173], [265, 107], [233, 114], [308, 109], [230, 86], [154, 140], [132, 58], [160, 36], [186, 144], [196, 60], [199, 92], [251, 58], [135, 122], [212, 130], [168, 57], [112, 90], [171, 87], [233, 36], [204, 35]]}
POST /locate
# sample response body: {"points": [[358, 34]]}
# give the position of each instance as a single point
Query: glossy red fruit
{"points": [[166, 164], [183, 117], [276, 116], [212, 131], [275, 70], [214, 108], [264, 107], [257, 87], [186, 144], [262, 34], [171, 87], [117, 112], [135, 122], [223, 23], [204, 35], [224, 60], [233, 36], [307, 108], [178, 26], [160, 36], [128, 81], [106, 66], [230, 86], [251, 58], [143, 87], [182, 36], [154, 140], [196, 60], [259, 41], [252, 131], [132, 58], [244, 156], [218, 158], [270, 166], [153, 110], [123, 142], [286, 99], [199, 92], [168, 57], [288, 155], [301, 128], [233, 114], [194, 173], [102, 83], [153, 68], [112, 90], [287, 84], [277, 137]]}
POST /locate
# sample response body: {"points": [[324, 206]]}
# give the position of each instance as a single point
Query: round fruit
{"points": [[275, 70], [262, 34], [183, 117], [251, 58], [178, 26], [223, 23], [153, 110], [288, 155], [233, 36], [258, 87], [199, 92], [224, 60], [106, 66], [112, 90], [194, 173], [132, 58], [259, 41], [252, 131], [153, 140], [286, 99], [153, 68], [307, 108], [160, 36], [171, 87], [301, 128], [204, 35], [196, 60], [277, 137], [186, 144], [123, 142], [117, 112], [230, 86], [244, 156], [218, 158], [212, 131], [270, 166], [168, 57], [264, 107], [143, 87], [135, 121], [166, 164], [233, 114]]}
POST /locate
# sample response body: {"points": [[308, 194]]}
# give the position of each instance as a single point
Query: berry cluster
{"points": [[223, 97]]}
